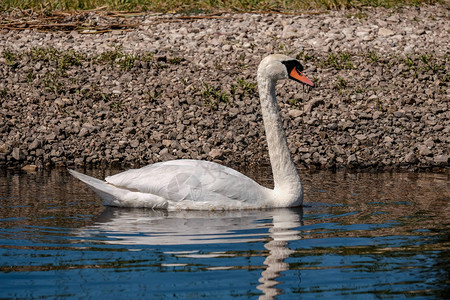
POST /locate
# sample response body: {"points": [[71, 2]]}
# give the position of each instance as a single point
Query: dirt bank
{"points": [[141, 89]]}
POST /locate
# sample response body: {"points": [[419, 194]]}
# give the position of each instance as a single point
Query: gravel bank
{"points": [[174, 87]]}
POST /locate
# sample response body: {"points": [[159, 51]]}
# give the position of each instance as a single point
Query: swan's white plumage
{"points": [[203, 185], [192, 180]]}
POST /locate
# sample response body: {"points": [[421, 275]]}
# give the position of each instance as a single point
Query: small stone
{"points": [[89, 126], [442, 160], [376, 114], [385, 32], [430, 122], [54, 153], [166, 143], [332, 126], [423, 150], [411, 158], [399, 114], [59, 102], [83, 132], [4, 148], [50, 137], [16, 153], [39, 152], [226, 47], [129, 130], [352, 159], [347, 125], [134, 143], [388, 139], [289, 32], [429, 143], [215, 153], [338, 149], [361, 33], [438, 127], [30, 168], [294, 113], [34, 145], [312, 104], [393, 18]]}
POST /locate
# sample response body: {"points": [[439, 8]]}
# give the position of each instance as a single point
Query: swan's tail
{"points": [[115, 196], [109, 193]]}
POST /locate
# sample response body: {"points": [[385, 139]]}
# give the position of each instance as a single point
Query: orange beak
{"points": [[297, 75]]}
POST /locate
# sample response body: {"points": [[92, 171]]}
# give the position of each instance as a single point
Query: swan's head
{"points": [[278, 66]]}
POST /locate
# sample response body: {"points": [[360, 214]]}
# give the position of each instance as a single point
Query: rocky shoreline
{"points": [[168, 86]]}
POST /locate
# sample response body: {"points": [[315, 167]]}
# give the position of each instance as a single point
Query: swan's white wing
{"points": [[191, 180]]}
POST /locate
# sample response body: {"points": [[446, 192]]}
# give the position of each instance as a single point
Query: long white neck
{"points": [[286, 179]]}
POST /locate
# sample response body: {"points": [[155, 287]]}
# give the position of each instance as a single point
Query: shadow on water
{"points": [[359, 236]]}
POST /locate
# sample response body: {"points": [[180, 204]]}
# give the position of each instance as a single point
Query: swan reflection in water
{"points": [[275, 227]]}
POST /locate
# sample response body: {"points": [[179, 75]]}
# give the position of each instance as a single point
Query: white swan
{"points": [[203, 185]]}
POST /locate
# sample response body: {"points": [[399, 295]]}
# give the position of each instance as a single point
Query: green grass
{"points": [[52, 83], [116, 105], [424, 62], [373, 57], [214, 96], [3, 93], [31, 76], [242, 88], [246, 86], [10, 57], [126, 61], [59, 62], [339, 61], [201, 6], [111, 56], [64, 59], [341, 84]]}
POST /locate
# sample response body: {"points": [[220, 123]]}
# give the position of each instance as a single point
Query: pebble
{"points": [[385, 32], [295, 113], [30, 168], [215, 153], [442, 160], [352, 159], [424, 150], [16, 154]]}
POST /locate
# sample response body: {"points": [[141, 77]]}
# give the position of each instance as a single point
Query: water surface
{"points": [[359, 236]]}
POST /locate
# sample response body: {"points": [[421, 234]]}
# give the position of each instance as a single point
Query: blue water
{"points": [[360, 236]]}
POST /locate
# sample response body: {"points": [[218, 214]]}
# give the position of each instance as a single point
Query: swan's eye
{"points": [[291, 64]]}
